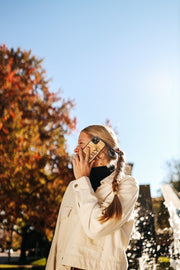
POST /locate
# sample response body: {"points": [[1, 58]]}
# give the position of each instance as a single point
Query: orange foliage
{"points": [[34, 163]]}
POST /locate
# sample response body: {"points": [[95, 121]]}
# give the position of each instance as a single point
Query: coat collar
{"points": [[109, 179]]}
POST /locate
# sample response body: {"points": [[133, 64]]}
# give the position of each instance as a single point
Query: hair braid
{"points": [[115, 208], [119, 170]]}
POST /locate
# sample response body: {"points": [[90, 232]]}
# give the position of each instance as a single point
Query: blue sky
{"points": [[119, 60]]}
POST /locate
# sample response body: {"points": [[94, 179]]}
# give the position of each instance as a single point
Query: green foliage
{"points": [[34, 163], [173, 175]]}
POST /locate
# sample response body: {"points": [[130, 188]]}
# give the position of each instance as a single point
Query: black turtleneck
{"points": [[99, 173]]}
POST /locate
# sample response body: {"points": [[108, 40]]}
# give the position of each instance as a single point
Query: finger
{"points": [[74, 169], [81, 154], [73, 156], [76, 157], [74, 163], [87, 154], [75, 160], [92, 163]]}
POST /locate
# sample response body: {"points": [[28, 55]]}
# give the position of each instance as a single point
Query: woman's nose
{"points": [[76, 150]]}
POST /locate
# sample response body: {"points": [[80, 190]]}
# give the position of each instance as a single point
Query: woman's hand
{"points": [[81, 165]]}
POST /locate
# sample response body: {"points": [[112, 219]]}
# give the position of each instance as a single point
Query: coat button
{"points": [[76, 185]]}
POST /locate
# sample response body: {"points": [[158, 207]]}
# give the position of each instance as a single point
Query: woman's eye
{"points": [[81, 145]]}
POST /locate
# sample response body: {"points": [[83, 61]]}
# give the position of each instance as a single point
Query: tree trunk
{"points": [[23, 244]]}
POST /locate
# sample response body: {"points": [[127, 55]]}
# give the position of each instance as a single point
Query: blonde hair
{"points": [[108, 136]]}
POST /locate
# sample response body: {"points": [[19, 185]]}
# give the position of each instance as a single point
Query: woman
{"points": [[95, 218]]}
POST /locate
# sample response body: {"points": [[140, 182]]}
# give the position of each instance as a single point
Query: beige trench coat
{"points": [[80, 240]]}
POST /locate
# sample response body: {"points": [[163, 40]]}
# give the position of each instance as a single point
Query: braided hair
{"points": [[114, 210]]}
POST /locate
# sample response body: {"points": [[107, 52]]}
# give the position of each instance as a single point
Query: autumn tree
{"points": [[34, 162]]}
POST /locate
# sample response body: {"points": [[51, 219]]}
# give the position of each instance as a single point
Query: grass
{"points": [[40, 262], [6, 266]]}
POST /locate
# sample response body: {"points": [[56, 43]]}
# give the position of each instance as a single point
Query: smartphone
{"points": [[96, 145]]}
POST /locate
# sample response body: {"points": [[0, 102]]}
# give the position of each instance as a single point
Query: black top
{"points": [[99, 173]]}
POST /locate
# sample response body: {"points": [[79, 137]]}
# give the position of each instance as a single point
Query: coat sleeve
{"points": [[90, 210]]}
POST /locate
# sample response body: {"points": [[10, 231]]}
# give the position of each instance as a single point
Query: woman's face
{"points": [[82, 141]]}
